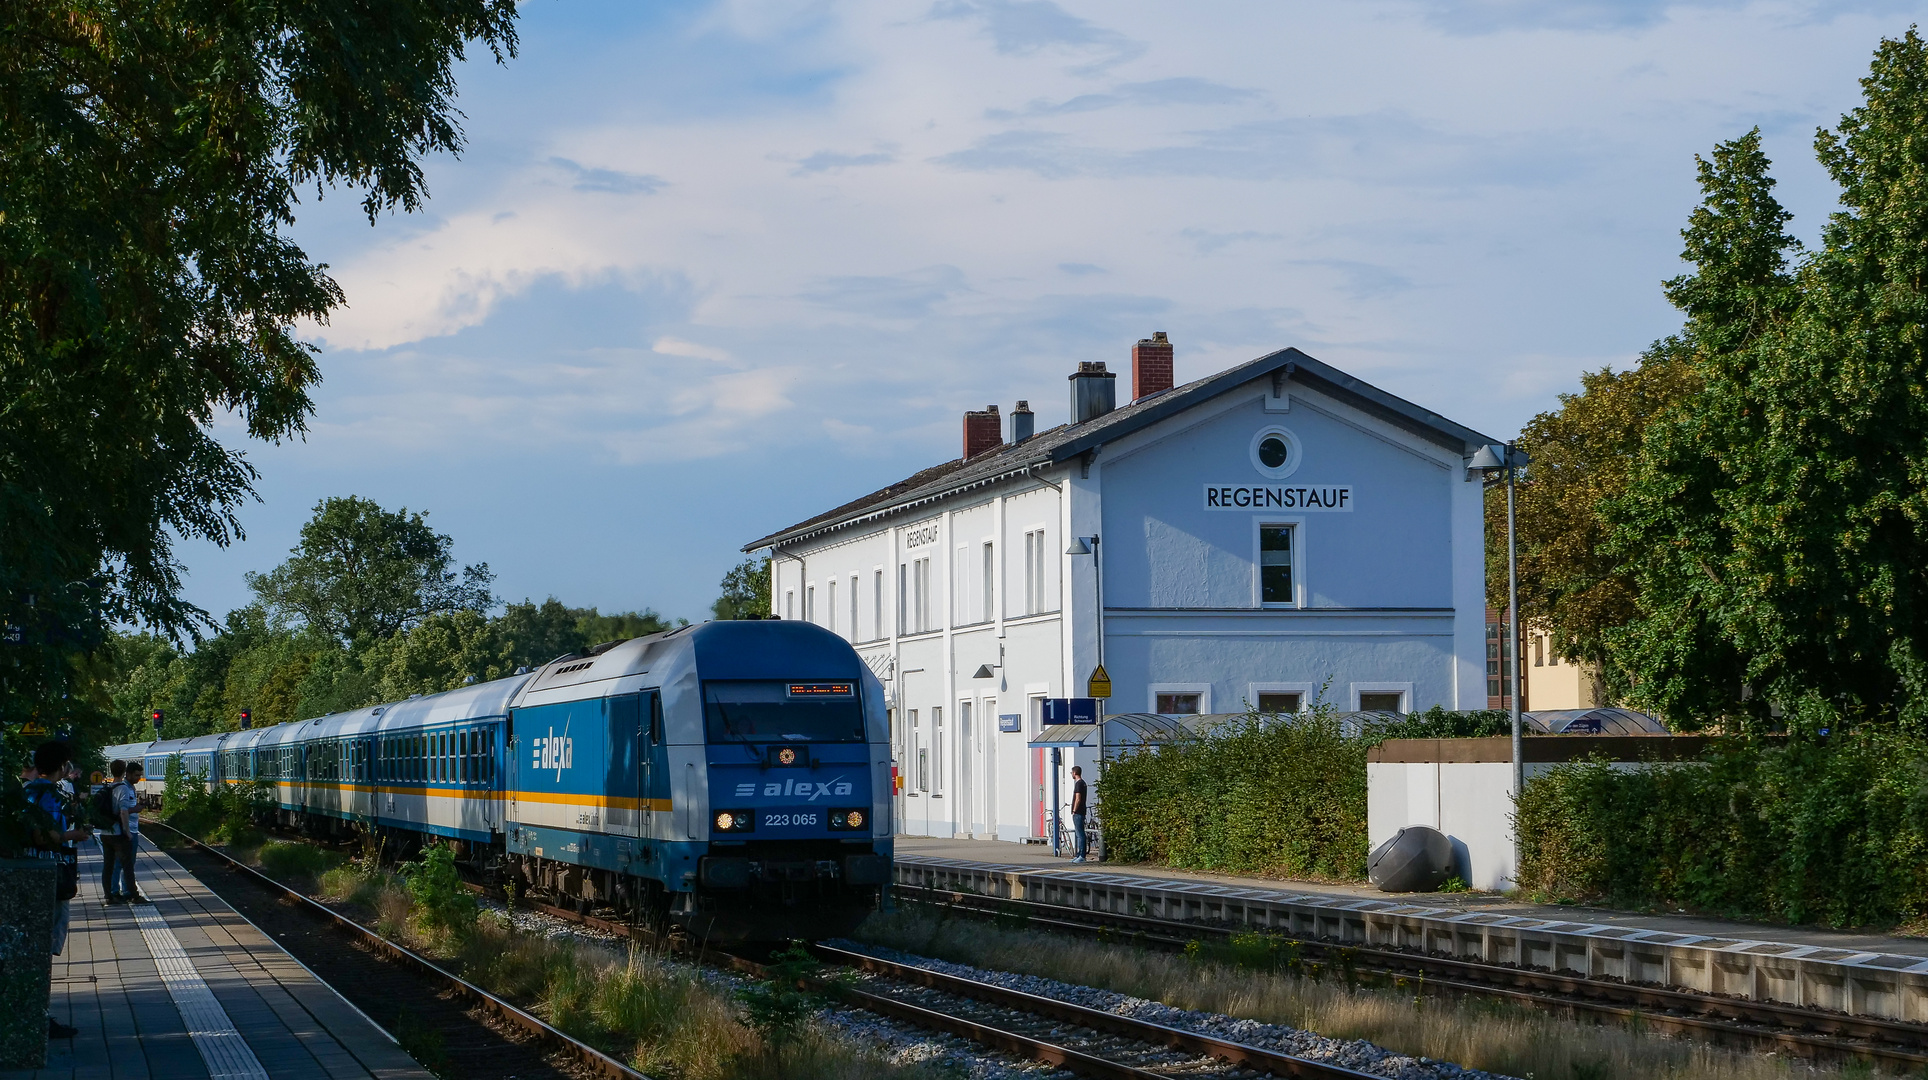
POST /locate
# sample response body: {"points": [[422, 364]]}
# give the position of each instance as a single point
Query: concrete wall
{"points": [[1464, 788]]}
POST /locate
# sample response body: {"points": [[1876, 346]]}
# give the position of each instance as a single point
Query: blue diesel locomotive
{"points": [[729, 778]]}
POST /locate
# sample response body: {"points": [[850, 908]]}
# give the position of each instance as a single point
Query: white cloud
{"points": [[835, 225]]}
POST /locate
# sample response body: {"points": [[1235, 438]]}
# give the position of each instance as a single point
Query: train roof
{"points": [[730, 649], [477, 701]]}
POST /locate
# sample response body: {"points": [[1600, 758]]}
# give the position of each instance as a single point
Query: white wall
{"points": [[1471, 802]]}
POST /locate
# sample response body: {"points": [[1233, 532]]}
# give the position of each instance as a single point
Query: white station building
{"points": [[1270, 533]]}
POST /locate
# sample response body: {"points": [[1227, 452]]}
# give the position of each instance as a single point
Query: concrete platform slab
{"points": [[1862, 974], [186, 988]]}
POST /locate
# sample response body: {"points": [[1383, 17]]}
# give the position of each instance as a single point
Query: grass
{"points": [[659, 1014], [1247, 984]]}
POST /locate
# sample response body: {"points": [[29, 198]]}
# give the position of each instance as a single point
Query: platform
{"points": [[186, 988], [1864, 974]]}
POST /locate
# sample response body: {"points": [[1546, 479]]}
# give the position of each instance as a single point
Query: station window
{"points": [[1176, 704], [830, 605], [1280, 704], [987, 604], [877, 604], [1034, 564], [1275, 564], [1389, 701]]}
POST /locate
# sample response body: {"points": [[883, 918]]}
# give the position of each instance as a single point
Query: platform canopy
{"points": [[1125, 729]]}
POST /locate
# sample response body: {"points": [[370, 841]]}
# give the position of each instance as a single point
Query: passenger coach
{"points": [[731, 778]]}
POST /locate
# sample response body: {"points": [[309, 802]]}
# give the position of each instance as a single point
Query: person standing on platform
{"points": [[129, 807], [57, 844], [113, 843], [1077, 814]]}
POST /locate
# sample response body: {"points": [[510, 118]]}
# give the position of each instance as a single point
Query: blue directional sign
{"points": [[1076, 710]]}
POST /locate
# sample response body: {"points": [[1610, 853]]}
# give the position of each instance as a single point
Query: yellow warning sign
{"points": [[1099, 685]]}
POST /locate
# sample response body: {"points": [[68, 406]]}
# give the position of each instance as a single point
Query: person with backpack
{"points": [[116, 862], [127, 807], [56, 844]]}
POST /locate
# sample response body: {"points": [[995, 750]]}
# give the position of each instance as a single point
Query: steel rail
{"points": [[1719, 1019], [590, 1057], [1097, 1019], [1011, 1042]]}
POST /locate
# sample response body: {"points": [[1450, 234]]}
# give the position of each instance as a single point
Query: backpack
{"points": [[101, 804]]}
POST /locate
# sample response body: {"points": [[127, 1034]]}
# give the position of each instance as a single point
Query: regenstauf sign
{"points": [[1301, 497]]}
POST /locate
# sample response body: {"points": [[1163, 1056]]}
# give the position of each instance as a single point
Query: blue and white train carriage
{"points": [[731, 777]]}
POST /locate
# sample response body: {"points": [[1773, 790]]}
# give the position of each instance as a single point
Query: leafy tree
{"points": [[361, 573], [150, 157], [1571, 584], [746, 591], [1777, 525]]}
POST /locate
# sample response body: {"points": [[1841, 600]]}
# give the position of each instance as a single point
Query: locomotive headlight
{"points": [[726, 821], [849, 818], [735, 820]]}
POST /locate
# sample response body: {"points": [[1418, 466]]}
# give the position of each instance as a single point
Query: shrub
{"points": [[1249, 795], [1265, 794], [1830, 829], [297, 862], [441, 901]]}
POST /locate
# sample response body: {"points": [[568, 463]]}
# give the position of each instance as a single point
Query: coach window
{"points": [[1275, 565]]}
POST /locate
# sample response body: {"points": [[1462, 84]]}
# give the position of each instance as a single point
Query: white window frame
{"points": [[810, 603], [1202, 689], [1297, 525], [987, 589], [937, 751], [789, 603], [856, 629], [830, 604], [1303, 689], [877, 631], [1403, 689], [1037, 563], [961, 586]]}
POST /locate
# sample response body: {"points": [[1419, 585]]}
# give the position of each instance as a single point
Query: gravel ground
{"points": [[1351, 1053], [892, 1040]]}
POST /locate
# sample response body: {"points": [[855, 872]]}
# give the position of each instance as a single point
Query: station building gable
{"points": [[1269, 533]]}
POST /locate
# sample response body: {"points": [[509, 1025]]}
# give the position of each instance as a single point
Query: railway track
{"points": [[1086, 1041], [587, 1059], [1763, 1026]]}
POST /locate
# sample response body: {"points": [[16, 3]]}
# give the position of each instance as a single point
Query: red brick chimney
{"points": [[982, 431], [1151, 366]]}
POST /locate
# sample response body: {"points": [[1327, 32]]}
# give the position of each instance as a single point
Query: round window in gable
{"points": [[1275, 453]]}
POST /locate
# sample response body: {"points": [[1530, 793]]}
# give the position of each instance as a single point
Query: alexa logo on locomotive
{"points": [[554, 751], [807, 790]]}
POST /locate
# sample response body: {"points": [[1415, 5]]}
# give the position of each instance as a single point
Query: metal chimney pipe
{"points": [[1094, 391], [1024, 422]]}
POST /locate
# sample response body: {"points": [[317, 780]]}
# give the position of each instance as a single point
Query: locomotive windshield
{"points": [[768, 711]]}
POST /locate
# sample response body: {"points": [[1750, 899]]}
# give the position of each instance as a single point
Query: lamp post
{"points": [[1088, 545], [1496, 464]]}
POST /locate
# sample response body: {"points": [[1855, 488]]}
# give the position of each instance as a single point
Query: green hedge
{"points": [[1287, 798], [1265, 794], [1833, 831]]}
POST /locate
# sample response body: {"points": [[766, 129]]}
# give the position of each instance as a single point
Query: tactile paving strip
{"points": [[226, 1053]]}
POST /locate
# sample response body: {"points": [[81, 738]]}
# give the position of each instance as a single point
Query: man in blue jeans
{"points": [[127, 811], [1077, 814], [111, 859]]}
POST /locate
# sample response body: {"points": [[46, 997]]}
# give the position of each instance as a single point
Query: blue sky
{"points": [[704, 270]]}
